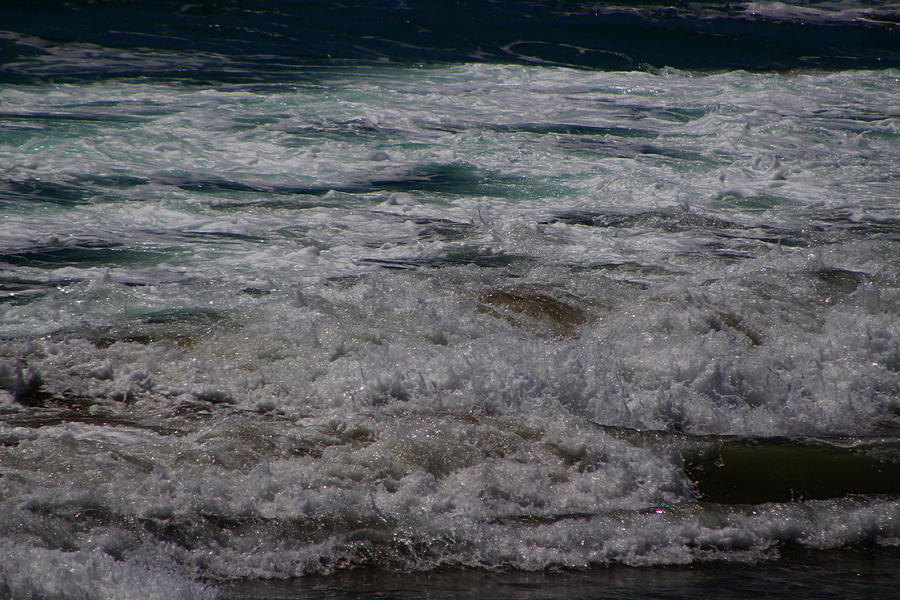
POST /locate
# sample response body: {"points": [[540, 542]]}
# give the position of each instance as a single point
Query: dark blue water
{"points": [[249, 40]]}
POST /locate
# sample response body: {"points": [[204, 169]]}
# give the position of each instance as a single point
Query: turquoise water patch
{"points": [[119, 182], [85, 254], [453, 178], [20, 291], [751, 202], [77, 117], [449, 179], [41, 192]]}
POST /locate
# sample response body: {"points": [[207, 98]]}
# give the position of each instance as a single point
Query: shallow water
{"points": [[838, 575], [268, 314]]}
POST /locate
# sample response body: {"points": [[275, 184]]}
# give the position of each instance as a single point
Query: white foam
{"points": [[254, 395], [828, 12], [41, 573]]}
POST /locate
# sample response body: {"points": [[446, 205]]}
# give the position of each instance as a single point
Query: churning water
{"points": [[290, 288]]}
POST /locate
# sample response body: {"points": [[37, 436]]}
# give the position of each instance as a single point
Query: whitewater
{"points": [[493, 316]]}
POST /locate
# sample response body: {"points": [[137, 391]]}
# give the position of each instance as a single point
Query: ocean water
{"points": [[421, 299]]}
